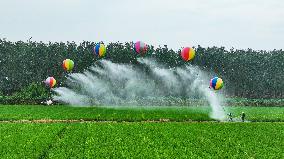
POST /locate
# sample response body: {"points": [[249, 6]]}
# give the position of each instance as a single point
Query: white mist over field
{"points": [[109, 84]]}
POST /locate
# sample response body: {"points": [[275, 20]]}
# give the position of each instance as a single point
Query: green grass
{"points": [[142, 140], [139, 139], [30, 112], [26, 140], [275, 114]]}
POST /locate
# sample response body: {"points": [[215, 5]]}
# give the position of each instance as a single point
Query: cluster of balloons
{"points": [[67, 65], [187, 54]]}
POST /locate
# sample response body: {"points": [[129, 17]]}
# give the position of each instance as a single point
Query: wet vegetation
{"points": [[142, 140]]}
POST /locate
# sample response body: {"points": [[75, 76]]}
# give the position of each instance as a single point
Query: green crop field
{"points": [[142, 140], [138, 132], [30, 112]]}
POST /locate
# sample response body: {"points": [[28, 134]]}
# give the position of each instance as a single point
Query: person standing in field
{"points": [[230, 115], [243, 116]]}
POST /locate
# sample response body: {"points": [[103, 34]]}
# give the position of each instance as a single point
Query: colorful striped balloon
{"points": [[140, 47], [68, 65], [187, 53], [100, 50], [216, 83], [50, 82]]}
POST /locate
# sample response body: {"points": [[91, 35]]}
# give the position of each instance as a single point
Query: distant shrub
{"points": [[32, 94]]}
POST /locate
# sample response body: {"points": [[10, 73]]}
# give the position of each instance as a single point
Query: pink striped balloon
{"points": [[50, 82], [140, 47]]}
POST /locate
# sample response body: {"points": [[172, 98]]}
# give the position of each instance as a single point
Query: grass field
{"points": [[102, 114], [142, 140], [29, 112], [132, 135]]}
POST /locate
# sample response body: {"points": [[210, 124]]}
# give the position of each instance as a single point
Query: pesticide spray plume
{"points": [[148, 83]]}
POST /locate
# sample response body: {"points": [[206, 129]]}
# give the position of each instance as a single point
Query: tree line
{"points": [[249, 73]]}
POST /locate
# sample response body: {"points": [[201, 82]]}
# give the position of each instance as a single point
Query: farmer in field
{"points": [[243, 116], [230, 115]]}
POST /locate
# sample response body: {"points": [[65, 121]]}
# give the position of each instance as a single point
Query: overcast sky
{"points": [[257, 24]]}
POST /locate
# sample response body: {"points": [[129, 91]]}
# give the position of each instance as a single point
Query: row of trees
{"points": [[247, 73]]}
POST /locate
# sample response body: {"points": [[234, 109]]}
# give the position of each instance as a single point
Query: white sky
{"points": [[257, 24]]}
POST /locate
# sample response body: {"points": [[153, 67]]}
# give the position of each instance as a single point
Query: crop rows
{"points": [[142, 140], [28, 112], [101, 114]]}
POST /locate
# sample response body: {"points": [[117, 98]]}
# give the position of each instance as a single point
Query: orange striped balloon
{"points": [[187, 53], [68, 65]]}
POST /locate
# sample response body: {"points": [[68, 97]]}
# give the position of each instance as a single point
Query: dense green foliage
{"points": [[247, 73], [142, 140], [31, 94], [28, 112]]}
